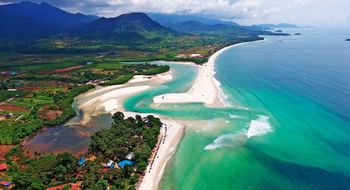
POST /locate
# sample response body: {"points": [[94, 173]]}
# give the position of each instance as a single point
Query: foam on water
{"points": [[222, 96], [235, 116], [228, 140], [259, 126]]}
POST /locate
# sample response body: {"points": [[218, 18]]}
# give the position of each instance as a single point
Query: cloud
{"points": [[308, 12]]}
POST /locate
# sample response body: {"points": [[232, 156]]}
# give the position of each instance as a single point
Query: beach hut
{"points": [[3, 166], [122, 163], [6, 183], [130, 156], [82, 161], [109, 164]]}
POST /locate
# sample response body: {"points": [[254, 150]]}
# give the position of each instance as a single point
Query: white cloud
{"points": [[305, 12]]}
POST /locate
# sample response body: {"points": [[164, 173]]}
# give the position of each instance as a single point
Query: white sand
{"points": [[205, 88], [143, 78], [169, 140], [109, 99], [108, 102]]}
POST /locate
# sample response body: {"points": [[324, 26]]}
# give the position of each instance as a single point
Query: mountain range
{"points": [[281, 25], [195, 26], [31, 20], [125, 26], [175, 18], [27, 19]]}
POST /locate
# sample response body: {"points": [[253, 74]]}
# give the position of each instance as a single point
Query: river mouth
{"points": [[94, 109]]}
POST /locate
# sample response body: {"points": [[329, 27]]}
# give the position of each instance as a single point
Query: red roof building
{"points": [[3, 166], [75, 187]]}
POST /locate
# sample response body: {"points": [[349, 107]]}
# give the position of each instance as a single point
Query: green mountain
{"points": [[198, 27], [126, 26], [30, 20], [46, 13], [175, 18], [14, 26]]}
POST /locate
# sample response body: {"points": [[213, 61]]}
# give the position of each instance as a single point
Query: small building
{"points": [[196, 55], [64, 76], [109, 164], [6, 183], [14, 73], [122, 163], [130, 156], [82, 161], [11, 90], [3, 166]]}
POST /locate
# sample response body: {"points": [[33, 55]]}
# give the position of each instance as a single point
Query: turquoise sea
{"points": [[288, 126]]}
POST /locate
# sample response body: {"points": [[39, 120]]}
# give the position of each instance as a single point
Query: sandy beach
{"points": [[110, 100], [170, 135], [205, 88]]}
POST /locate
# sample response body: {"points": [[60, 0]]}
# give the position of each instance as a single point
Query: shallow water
{"points": [[288, 127], [295, 133]]}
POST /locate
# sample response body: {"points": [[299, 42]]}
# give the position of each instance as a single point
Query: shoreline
{"points": [[205, 89], [213, 97], [110, 100]]}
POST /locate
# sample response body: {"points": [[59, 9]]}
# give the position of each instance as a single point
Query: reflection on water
{"points": [[68, 138]]}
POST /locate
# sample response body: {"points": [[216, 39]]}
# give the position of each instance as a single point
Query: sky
{"points": [[300, 12]]}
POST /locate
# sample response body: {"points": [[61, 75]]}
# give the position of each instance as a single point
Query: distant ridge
{"points": [[281, 25], [135, 25], [174, 18], [46, 13], [195, 26], [30, 20]]}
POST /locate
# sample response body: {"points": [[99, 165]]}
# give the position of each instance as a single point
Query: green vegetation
{"points": [[12, 130], [138, 135], [43, 172], [44, 99], [120, 80]]}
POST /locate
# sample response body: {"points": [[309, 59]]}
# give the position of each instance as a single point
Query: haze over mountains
{"points": [[195, 26], [174, 18]]}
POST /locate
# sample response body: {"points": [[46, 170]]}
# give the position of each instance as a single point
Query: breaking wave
{"points": [[259, 126], [227, 140]]}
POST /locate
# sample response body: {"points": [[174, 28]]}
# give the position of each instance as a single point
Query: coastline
{"points": [[205, 89], [215, 99], [110, 100]]}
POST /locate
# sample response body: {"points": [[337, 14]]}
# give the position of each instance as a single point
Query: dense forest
{"points": [[126, 135]]}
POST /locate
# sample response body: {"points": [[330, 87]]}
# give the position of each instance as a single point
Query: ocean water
{"points": [[289, 123], [288, 126]]}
